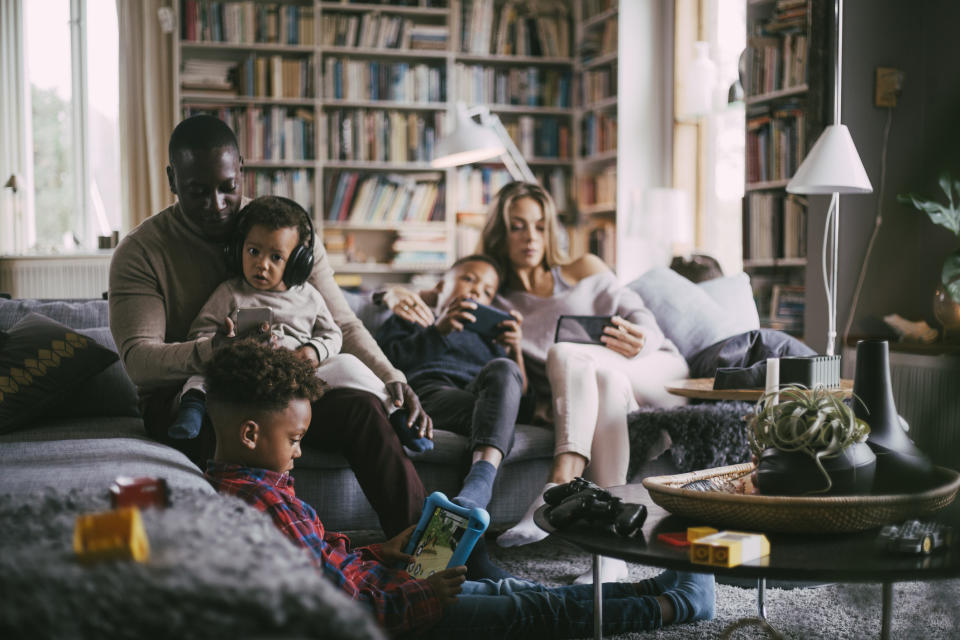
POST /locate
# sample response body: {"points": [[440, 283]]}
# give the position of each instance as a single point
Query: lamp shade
{"points": [[468, 142], [832, 166]]}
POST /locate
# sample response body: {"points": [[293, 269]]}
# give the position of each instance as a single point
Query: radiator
{"points": [[926, 389], [81, 276]]}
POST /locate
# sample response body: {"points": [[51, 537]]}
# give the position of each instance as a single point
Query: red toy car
{"points": [[139, 492]]}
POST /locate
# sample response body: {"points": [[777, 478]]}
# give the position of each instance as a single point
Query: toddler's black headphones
{"points": [[299, 264]]}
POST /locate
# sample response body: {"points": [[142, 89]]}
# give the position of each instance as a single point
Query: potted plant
{"points": [[946, 305], [809, 441]]}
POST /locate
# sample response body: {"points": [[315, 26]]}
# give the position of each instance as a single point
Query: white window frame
{"points": [[17, 210]]}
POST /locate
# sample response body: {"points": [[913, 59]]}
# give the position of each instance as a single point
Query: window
{"points": [[71, 67]]}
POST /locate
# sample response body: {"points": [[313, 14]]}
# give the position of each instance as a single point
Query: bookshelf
{"points": [[785, 88], [339, 104]]}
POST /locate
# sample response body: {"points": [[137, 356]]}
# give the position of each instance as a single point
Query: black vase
{"points": [[901, 466], [794, 473]]}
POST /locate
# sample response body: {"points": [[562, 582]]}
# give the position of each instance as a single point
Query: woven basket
{"points": [[826, 514]]}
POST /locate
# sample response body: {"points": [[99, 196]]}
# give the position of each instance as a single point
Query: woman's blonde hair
{"points": [[493, 238]]}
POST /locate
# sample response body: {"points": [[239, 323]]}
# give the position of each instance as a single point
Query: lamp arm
{"points": [[512, 158]]}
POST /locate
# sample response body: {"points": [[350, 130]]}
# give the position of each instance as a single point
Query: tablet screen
{"points": [[440, 538]]}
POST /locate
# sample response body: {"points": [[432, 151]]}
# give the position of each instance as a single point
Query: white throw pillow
{"points": [[735, 295]]}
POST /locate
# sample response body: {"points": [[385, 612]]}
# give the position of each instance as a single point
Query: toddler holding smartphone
{"points": [[272, 249]]}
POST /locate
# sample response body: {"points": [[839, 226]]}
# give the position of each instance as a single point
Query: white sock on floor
{"points": [[611, 570], [526, 531]]}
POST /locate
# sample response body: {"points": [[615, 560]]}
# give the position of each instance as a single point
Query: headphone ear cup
{"points": [[299, 266]]}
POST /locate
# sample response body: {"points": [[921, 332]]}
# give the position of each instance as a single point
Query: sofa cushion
{"points": [[40, 361], [689, 315], [735, 295], [79, 314]]}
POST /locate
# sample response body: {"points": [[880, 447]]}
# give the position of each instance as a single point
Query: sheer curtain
{"points": [[146, 108]]}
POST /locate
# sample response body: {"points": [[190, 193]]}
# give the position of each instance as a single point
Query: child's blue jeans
{"points": [[520, 609]]}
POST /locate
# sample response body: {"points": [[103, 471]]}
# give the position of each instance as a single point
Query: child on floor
{"points": [[259, 402], [273, 252], [467, 383]]}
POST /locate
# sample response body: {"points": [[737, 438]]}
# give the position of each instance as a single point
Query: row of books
{"points": [[346, 79], [380, 31], [375, 135], [775, 226], [272, 133], [243, 21], [420, 249], [775, 143], [598, 189], [296, 184], [776, 63], [599, 133], [540, 137], [598, 84], [598, 42], [477, 186], [515, 28], [788, 15], [602, 242], [530, 86], [374, 198], [276, 77], [787, 306]]}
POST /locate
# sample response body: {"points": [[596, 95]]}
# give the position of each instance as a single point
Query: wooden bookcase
{"points": [[786, 84], [306, 74]]}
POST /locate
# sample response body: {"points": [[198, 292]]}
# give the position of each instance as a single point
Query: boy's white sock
{"points": [[526, 531], [611, 570]]}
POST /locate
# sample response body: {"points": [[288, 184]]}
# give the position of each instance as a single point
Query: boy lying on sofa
{"points": [[259, 401]]}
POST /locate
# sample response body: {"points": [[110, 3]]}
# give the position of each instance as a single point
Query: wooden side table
{"points": [[702, 389]]}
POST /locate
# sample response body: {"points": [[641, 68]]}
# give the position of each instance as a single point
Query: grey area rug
{"points": [[839, 611], [921, 610]]}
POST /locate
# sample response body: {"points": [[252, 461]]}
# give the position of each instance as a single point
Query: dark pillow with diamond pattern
{"points": [[40, 361]]}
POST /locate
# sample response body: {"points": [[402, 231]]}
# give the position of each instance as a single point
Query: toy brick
{"points": [[729, 548], [111, 535], [139, 492], [695, 533]]}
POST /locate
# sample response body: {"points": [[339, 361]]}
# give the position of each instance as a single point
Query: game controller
{"points": [[582, 499]]}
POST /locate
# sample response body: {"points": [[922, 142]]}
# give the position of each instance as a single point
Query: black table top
{"points": [[841, 557]]}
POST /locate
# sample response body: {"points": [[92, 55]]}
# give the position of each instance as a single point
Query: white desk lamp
{"points": [[833, 166], [470, 142]]}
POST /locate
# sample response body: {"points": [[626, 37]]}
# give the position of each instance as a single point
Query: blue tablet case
{"points": [[445, 535], [487, 320]]}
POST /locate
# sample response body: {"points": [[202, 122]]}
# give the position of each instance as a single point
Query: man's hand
{"points": [[448, 583], [392, 549], [308, 353], [404, 396], [624, 337], [455, 315], [408, 305], [512, 334], [225, 333]]}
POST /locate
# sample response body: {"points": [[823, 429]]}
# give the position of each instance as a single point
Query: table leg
{"points": [[760, 620], [887, 611], [597, 600]]}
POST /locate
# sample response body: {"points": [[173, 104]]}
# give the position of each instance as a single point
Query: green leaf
{"points": [[950, 276], [946, 215], [944, 180]]}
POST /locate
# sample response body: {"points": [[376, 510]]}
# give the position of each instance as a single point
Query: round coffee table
{"points": [[837, 557]]}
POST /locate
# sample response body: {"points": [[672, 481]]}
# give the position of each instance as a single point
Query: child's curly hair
{"points": [[251, 373]]}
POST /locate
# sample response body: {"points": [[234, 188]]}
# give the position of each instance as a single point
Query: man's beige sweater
{"points": [[160, 277]]}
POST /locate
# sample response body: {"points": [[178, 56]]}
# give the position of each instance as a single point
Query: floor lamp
{"points": [[832, 167], [471, 141]]}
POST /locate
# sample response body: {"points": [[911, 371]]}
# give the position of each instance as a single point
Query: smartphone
{"points": [[487, 320], [249, 319], [581, 329]]}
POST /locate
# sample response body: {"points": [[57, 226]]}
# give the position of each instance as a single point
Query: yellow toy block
{"points": [[695, 533], [117, 534], [729, 548]]}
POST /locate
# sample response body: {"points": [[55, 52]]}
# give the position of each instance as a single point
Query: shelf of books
{"points": [[785, 74], [596, 66]]}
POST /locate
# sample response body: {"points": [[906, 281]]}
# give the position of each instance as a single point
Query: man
{"points": [[165, 269]]}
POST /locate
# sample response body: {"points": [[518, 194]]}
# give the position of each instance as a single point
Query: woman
{"points": [[593, 387]]}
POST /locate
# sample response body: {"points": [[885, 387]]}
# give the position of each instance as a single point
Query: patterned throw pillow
{"points": [[40, 361]]}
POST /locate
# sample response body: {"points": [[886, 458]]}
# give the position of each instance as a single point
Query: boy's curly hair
{"points": [[251, 373], [274, 213]]}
